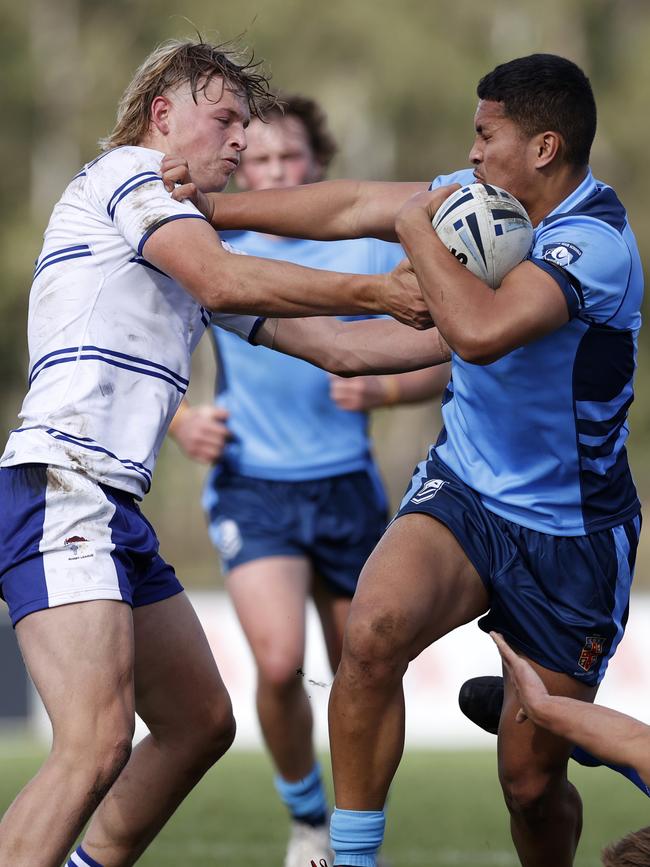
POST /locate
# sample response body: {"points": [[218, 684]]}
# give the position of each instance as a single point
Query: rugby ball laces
{"points": [[486, 229]]}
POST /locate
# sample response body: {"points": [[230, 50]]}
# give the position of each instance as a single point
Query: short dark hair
{"points": [[546, 92], [632, 851], [314, 120]]}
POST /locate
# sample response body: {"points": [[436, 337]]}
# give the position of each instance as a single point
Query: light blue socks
{"points": [[356, 836], [305, 799]]}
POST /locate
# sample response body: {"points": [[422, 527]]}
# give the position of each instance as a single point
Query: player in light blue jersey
{"points": [[122, 291], [525, 510], [294, 502]]}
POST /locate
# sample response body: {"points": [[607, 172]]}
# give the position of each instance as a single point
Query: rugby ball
{"points": [[486, 229]]}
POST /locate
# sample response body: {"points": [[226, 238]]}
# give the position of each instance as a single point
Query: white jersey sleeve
{"points": [[127, 185]]}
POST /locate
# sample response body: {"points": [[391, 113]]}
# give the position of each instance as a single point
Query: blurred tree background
{"points": [[398, 82]]}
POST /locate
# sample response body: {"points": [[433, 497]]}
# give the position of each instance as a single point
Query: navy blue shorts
{"points": [[334, 522], [561, 600], [65, 538]]}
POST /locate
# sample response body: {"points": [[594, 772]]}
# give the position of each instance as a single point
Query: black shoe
{"points": [[481, 700]]}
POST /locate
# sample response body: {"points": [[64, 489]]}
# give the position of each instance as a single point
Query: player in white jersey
{"points": [[294, 500], [120, 296], [525, 510]]}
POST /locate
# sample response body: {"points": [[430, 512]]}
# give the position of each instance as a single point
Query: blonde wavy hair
{"points": [[178, 61]]}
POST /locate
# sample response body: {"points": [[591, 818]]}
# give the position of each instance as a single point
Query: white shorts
{"points": [[65, 538]]}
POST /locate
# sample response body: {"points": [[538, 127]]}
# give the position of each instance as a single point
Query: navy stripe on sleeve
{"points": [[162, 222], [128, 187], [568, 284], [256, 327]]}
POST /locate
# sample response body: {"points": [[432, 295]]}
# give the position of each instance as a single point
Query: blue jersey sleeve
{"points": [[464, 176], [589, 260]]}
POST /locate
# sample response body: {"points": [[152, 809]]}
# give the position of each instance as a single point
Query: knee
{"points": [[527, 792], [280, 673], [110, 759], [97, 752], [210, 732], [374, 648]]}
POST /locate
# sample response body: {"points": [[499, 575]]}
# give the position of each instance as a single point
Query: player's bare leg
{"points": [[417, 585], [80, 658], [269, 596], [333, 612], [182, 699], [545, 808]]}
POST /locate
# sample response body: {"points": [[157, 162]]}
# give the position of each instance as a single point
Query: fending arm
{"points": [[325, 211], [355, 348], [611, 736]]}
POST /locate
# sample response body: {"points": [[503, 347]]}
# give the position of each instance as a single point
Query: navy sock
{"points": [[305, 799], [79, 858]]}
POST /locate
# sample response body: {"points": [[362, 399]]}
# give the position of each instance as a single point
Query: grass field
{"points": [[445, 811]]}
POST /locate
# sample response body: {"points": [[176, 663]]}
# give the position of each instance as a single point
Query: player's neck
{"points": [[554, 189]]}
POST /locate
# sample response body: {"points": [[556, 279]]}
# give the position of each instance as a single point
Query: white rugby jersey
{"points": [[110, 335]]}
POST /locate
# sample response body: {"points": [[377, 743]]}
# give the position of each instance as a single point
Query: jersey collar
{"points": [[581, 192]]}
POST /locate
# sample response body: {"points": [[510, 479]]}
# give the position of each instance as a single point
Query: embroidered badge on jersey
{"points": [[561, 254], [428, 491]]}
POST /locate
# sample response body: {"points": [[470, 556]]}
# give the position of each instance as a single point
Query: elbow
{"points": [[476, 352], [219, 291], [217, 299]]}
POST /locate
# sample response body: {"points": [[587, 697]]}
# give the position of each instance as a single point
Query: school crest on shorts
{"points": [[427, 491], [229, 540], [592, 650], [78, 548]]}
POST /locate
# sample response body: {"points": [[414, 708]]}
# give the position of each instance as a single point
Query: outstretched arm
{"points": [[354, 348], [611, 736], [325, 211], [362, 393], [190, 252]]}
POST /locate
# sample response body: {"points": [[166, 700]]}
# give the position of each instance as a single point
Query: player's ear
{"points": [[160, 114], [547, 147]]}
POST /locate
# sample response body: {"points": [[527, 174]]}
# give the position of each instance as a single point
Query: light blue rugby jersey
{"points": [[284, 424], [540, 434]]}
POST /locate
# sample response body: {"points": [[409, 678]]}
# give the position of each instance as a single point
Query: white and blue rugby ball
{"points": [[486, 229]]}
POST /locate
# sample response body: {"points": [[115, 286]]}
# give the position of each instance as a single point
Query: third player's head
{"points": [[632, 851], [536, 118], [291, 146], [195, 100]]}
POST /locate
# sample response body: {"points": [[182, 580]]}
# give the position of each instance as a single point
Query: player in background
{"points": [[294, 502], [614, 738], [120, 296], [525, 510]]}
